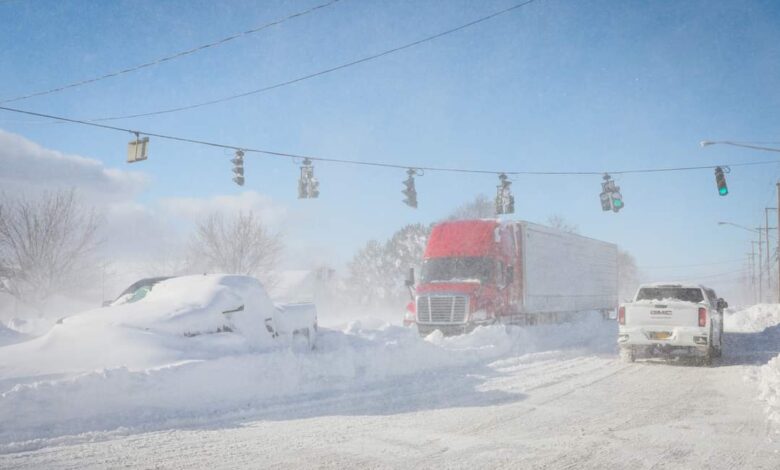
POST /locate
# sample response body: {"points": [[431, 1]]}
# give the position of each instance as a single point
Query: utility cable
{"points": [[321, 72], [747, 145], [692, 265], [367, 163], [172, 56]]}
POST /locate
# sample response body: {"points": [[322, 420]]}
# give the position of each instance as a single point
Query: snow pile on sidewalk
{"points": [[212, 375], [769, 386], [753, 319], [763, 319]]}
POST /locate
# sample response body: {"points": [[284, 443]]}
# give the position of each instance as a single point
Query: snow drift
{"points": [[216, 377], [753, 319], [756, 319]]}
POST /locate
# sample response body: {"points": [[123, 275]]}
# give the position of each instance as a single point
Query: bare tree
{"points": [[482, 207], [239, 245], [47, 245], [377, 271], [558, 222]]}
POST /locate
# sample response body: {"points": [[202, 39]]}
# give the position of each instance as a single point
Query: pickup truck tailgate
{"points": [[662, 314]]}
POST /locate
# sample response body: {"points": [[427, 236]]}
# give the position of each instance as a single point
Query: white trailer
{"points": [[565, 273]]}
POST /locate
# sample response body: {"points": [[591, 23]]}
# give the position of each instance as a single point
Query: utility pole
{"points": [[760, 268], [778, 242], [768, 251], [753, 270]]}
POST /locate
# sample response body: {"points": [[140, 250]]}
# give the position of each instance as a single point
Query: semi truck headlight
{"points": [[479, 315]]}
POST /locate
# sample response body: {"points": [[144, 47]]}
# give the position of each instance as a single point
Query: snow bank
{"points": [[753, 319], [761, 318], [769, 387], [194, 385]]}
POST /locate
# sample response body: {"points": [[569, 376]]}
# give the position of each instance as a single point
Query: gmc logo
{"points": [[661, 312]]}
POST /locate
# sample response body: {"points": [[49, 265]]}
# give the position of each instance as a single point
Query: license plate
{"points": [[660, 335]]}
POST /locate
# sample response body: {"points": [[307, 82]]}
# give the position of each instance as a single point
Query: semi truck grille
{"points": [[441, 308]]}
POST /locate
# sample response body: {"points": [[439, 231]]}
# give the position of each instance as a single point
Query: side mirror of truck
{"points": [[410, 278], [722, 304], [510, 274]]}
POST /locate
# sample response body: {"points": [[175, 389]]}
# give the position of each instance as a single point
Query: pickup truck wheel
{"points": [[627, 354], [719, 349], [706, 361]]}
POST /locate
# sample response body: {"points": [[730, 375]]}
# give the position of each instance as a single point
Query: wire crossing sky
{"points": [[319, 73], [383, 164], [168, 58]]}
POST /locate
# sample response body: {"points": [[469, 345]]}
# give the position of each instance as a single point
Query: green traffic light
{"points": [[617, 203], [723, 191]]}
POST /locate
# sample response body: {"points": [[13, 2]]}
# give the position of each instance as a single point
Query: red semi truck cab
{"points": [[478, 272], [468, 276]]}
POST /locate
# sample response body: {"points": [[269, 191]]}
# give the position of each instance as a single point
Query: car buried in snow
{"points": [[205, 304], [672, 319]]}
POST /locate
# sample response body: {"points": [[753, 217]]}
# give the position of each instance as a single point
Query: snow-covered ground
{"points": [[377, 395]]}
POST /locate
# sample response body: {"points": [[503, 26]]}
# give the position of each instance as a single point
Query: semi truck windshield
{"points": [[457, 269]]}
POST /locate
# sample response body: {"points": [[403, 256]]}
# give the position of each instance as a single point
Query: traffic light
{"points": [[410, 192], [308, 186], [617, 200], [505, 202], [720, 180], [136, 149], [238, 167], [606, 201], [610, 196]]}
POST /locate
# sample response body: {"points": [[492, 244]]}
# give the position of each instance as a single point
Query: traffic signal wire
{"points": [[136, 132], [319, 73], [747, 145], [728, 261], [172, 56]]}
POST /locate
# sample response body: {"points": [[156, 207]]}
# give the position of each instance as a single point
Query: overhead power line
{"points": [[319, 73], [727, 261], [233, 147], [740, 272], [172, 56], [747, 145]]}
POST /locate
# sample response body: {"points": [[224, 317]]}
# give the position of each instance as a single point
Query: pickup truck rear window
{"points": [[677, 293]]}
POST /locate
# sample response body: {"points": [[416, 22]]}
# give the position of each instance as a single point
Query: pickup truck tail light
{"points": [[622, 315], [702, 316]]}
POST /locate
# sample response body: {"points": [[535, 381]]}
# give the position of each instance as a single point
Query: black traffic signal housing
{"points": [[409, 191], [610, 196], [238, 167], [617, 199], [505, 201], [720, 180]]}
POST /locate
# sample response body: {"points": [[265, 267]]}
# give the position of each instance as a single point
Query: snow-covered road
{"points": [[545, 406]]}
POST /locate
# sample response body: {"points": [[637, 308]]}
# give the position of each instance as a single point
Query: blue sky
{"points": [[557, 85]]}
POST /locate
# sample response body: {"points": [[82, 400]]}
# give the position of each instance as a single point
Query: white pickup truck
{"points": [[672, 319]]}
